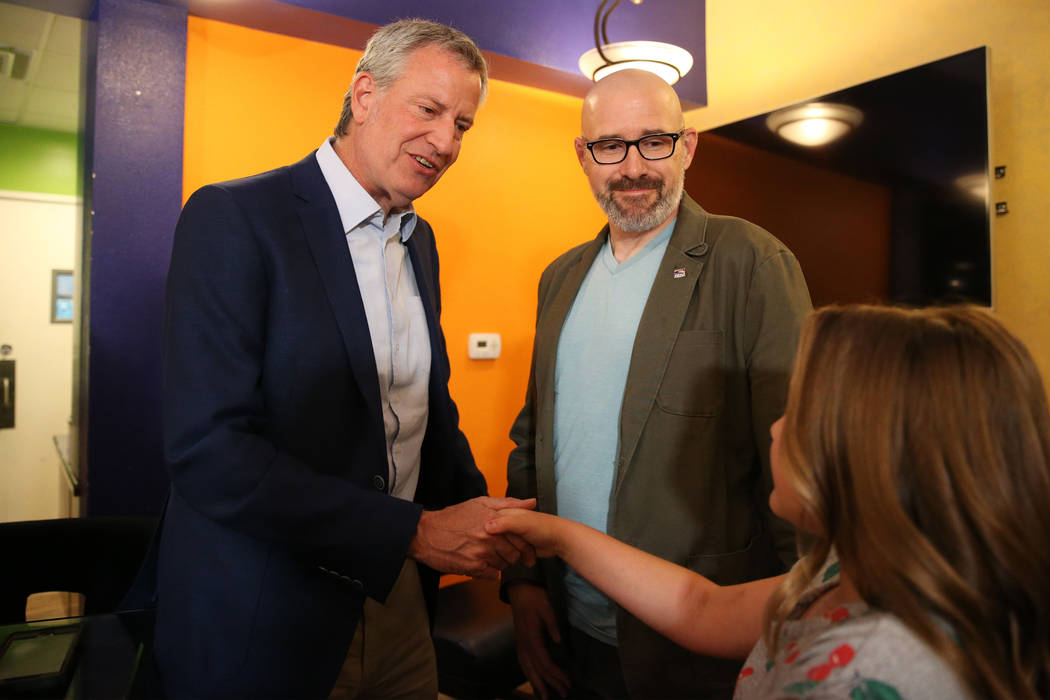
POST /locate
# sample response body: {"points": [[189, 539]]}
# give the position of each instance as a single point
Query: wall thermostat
{"points": [[483, 346]]}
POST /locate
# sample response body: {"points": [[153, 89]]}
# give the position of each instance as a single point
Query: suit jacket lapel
{"points": [[661, 321], [327, 241]]}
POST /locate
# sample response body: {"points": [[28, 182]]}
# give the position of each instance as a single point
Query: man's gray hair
{"points": [[388, 49]]}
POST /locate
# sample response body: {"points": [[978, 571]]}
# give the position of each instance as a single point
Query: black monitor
{"points": [[896, 210]]}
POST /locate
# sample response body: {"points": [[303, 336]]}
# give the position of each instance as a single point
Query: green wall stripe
{"points": [[38, 160]]}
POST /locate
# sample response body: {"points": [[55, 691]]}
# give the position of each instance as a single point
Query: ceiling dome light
{"points": [[814, 124], [974, 184], [668, 61]]}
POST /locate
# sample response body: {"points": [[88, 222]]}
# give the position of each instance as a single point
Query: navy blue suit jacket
{"points": [[279, 522]]}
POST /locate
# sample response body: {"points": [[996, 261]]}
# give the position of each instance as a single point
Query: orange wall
{"points": [[515, 199]]}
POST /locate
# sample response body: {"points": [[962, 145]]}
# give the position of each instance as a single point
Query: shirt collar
{"points": [[356, 207]]}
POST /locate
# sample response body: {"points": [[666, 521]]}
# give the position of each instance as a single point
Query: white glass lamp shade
{"points": [[814, 124], [974, 184], [668, 61]]}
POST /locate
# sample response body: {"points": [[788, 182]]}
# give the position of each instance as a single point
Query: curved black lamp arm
{"points": [[601, 20], [602, 37]]}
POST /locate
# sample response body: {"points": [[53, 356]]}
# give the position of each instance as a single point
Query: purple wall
{"points": [[135, 115], [551, 33]]}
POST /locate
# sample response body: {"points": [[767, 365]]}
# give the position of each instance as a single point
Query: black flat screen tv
{"points": [[896, 210]]}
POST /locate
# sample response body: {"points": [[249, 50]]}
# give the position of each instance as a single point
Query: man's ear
{"points": [[581, 152], [689, 142], [363, 93]]}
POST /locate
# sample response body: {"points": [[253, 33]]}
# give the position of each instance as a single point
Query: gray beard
{"points": [[635, 221]]}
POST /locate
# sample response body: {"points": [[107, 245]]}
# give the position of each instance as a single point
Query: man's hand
{"points": [[533, 623], [453, 540], [542, 530]]}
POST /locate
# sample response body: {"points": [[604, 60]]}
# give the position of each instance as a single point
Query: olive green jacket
{"points": [[708, 376]]}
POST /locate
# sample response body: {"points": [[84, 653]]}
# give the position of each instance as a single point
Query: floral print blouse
{"points": [[852, 651]]}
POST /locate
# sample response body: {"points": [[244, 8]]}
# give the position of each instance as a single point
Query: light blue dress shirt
{"points": [[396, 320]]}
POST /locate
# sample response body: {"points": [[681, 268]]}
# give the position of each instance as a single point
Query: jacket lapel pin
{"points": [[679, 272]]}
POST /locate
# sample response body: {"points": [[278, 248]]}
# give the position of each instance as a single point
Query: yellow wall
{"points": [[762, 55], [515, 199]]}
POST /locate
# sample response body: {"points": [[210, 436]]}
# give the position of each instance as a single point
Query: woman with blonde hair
{"points": [[915, 451]]}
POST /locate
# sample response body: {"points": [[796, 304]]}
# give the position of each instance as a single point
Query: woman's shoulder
{"points": [[850, 652]]}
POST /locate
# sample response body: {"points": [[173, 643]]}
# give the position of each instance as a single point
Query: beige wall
{"points": [[37, 237], [762, 55]]}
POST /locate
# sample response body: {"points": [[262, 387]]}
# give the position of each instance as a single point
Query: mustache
{"points": [[641, 183]]}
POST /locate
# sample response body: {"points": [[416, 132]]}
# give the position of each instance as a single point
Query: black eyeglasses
{"points": [[650, 147]]}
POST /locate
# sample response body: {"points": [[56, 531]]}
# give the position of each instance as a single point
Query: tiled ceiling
{"points": [[40, 60]]}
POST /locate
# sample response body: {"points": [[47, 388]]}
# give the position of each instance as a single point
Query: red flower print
{"points": [[837, 615], [745, 673], [841, 656], [819, 673], [791, 657]]}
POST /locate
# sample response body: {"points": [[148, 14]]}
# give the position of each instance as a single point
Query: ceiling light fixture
{"points": [[668, 61], [974, 184], [815, 123]]}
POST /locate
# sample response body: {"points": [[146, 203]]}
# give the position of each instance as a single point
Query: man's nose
{"points": [[443, 136], [634, 165]]}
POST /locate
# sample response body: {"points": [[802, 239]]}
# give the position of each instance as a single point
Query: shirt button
{"points": [[379, 483]]}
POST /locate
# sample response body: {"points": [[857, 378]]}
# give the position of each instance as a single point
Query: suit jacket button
{"points": [[379, 483]]}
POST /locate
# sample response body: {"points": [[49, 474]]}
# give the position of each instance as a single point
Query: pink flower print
{"points": [[837, 615], [841, 656]]}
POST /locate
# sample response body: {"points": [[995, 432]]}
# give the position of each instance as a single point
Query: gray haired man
{"points": [[319, 477]]}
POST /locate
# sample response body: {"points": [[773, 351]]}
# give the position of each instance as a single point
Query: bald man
{"points": [[661, 359]]}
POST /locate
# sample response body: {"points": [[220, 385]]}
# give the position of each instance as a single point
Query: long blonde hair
{"points": [[920, 441]]}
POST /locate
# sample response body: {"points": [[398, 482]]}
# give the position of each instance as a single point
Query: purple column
{"points": [[134, 149]]}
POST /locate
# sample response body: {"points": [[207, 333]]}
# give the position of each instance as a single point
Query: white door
{"points": [[36, 238]]}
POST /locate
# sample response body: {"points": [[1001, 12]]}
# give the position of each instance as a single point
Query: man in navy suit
{"points": [[319, 477]]}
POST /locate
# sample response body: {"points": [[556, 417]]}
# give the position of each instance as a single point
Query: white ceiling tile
{"points": [[12, 92], [54, 122], [65, 35], [58, 71], [51, 98], [51, 101], [21, 27]]}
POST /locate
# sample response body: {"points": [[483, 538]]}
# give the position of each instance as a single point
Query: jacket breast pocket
{"points": [[694, 383], [731, 567]]}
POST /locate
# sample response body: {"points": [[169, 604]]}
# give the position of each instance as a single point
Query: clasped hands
{"points": [[454, 539]]}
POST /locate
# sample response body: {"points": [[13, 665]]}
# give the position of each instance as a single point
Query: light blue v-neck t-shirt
{"points": [[594, 355]]}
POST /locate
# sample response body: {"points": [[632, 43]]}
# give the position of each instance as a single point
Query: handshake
{"points": [[455, 539]]}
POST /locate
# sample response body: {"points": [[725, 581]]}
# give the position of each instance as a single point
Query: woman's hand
{"points": [[541, 530]]}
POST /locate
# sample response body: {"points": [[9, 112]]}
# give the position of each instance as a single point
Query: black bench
{"points": [[474, 642]]}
